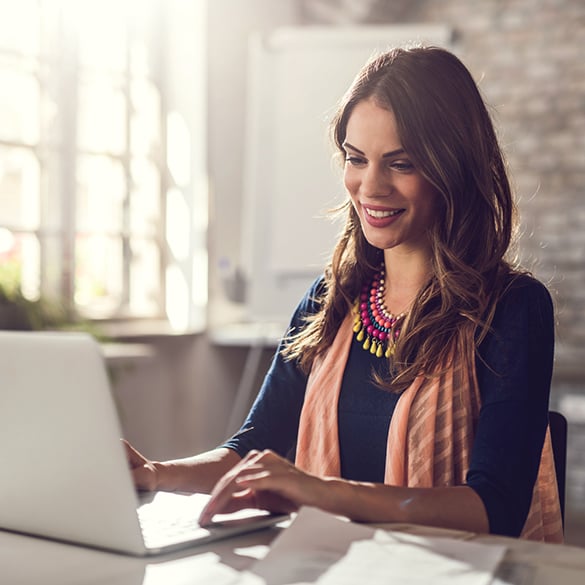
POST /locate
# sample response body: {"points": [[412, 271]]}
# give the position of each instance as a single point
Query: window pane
{"points": [[98, 274], [19, 106], [145, 279], [101, 189], [102, 35], [10, 261], [52, 118], [145, 37], [30, 282], [19, 188], [102, 116], [19, 26], [178, 149], [19, 263], [178, 225], [139, 58], [145, 200], [145, 123]]}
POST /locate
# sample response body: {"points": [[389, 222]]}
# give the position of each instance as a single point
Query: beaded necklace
{"points": [[375, 327]]}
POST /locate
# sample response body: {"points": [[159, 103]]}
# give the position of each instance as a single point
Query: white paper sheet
{"points": [[318, 548]]}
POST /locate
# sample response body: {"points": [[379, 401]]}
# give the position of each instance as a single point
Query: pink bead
{"points": [[382, 336], [369, 329]]}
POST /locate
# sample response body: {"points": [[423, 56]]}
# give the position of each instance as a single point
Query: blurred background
{"points": [[125, 204]]}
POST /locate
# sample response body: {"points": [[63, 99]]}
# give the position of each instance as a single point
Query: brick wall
{"points": [[529, 59]]}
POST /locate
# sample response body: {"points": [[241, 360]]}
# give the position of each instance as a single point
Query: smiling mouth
{"points": [[381, 214]]}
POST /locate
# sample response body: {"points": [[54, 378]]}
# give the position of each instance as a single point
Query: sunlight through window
{"points": [[96, 178]]}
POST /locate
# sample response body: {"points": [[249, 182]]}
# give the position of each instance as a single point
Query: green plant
{"points": [[19, 312]]}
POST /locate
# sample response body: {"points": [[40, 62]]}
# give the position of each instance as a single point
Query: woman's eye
{"points": [[354, 160], [403, 166]]}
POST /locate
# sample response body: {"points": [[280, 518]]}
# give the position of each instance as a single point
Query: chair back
{"points": [[558, 435]]}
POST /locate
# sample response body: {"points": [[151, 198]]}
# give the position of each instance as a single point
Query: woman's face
{"points": [[395, 204]]}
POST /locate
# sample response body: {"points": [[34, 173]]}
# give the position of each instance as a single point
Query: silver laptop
{"points": [[64, 473]]}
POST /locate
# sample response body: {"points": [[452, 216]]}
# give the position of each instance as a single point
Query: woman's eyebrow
{"points": [[390, 154]]}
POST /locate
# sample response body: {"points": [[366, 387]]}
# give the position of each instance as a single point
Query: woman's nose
{"points": [[374, 182]]}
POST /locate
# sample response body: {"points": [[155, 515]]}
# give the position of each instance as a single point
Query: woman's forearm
{"points": [[267, 475], [194, 474], [447, 507]]}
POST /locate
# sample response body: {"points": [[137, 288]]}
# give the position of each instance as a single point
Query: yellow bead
{"points": [[373, 347], [388, 352], [367, 343], [357, 326], [361, 335], [379, 351]]}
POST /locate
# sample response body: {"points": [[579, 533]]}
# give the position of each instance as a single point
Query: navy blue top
{"points": [[514, 369]]}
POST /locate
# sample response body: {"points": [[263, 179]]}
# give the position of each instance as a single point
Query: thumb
{"points": [[135, 459]]}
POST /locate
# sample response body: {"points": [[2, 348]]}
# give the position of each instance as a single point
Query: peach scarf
{"points": [[430, 436]]}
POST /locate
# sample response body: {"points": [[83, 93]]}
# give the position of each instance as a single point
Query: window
{"points": [[102, 204]]}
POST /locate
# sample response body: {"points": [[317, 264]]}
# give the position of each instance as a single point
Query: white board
{"points": [[296, 78]]}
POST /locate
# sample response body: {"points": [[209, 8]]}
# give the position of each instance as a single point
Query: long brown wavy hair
{"points": [[447, 131]]}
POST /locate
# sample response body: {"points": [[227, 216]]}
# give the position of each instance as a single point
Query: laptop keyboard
{"points": [[172, 521], [158, 531]]}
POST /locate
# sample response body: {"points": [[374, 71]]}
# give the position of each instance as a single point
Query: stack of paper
{"points": [[318, 548]]}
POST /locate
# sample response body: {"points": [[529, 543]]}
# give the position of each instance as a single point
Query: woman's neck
{"points": [[405, 275]]}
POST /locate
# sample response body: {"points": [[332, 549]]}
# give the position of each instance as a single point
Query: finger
{"points": [[134, 457], [260, 500], [252, 476], [224, 489], [285, 482], [215, 505], [239, 501], [274, 503], [222, 499], [265, 481]]}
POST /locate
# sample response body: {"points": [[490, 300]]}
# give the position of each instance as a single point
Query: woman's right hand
{"points": [[144, 472]]}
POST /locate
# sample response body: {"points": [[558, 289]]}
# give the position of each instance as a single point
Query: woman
{"points": [[413, 385]]}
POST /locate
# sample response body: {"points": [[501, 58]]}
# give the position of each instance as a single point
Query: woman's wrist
{"points": [[360, 501], [162, 476], [336, 495]]}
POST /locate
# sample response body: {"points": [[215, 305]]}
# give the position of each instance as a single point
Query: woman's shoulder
{"points": [[312, 300], [520, 286], [523, 293]]}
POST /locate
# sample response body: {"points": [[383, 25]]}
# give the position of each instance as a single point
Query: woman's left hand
{"points": [[263, 480]]}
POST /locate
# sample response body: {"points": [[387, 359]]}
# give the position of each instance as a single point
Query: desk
{"points": [[31, 561]]}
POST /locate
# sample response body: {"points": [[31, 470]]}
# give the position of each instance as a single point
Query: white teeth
{"points": [[381, 214]]}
